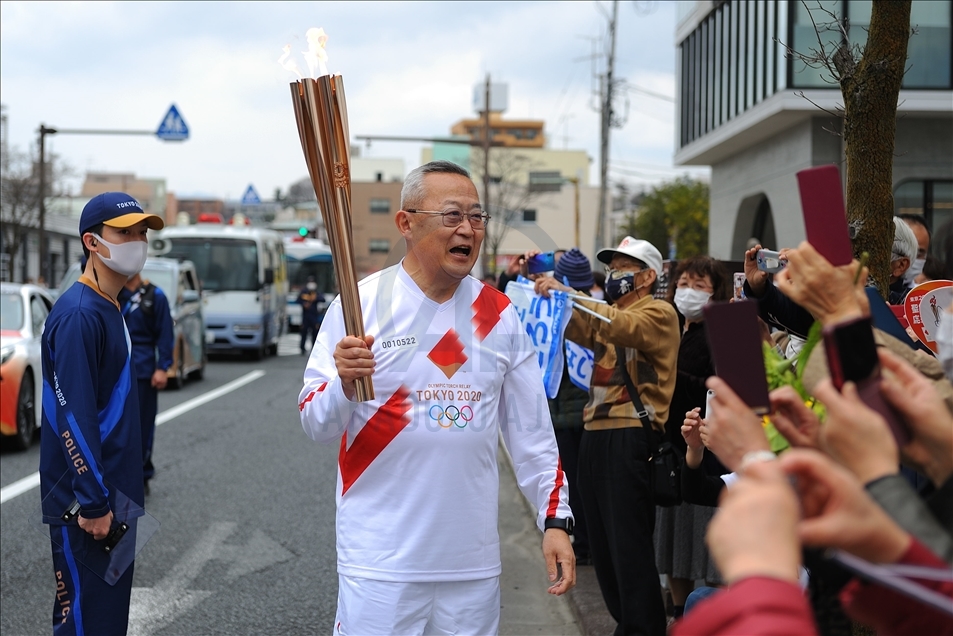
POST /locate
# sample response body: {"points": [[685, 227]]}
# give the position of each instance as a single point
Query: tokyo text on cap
{"points": [[116, 209]]}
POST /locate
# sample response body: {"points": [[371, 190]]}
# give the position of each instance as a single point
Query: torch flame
{"points": [[289, 65], [316, 56]]}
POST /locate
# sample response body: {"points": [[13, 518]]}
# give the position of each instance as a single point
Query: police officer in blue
{"points": [[149, 321], [310, 314], [90, 448]]}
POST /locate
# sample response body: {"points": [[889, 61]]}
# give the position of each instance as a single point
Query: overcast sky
{"points": [[409, 69]]}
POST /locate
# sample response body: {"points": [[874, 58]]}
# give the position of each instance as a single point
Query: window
{"points": [[380, 206], [932, 199], [928, 51], [529, 216], [805, 39], [379, 246]]}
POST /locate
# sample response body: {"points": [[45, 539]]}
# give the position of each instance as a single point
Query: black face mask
{"points": [[618, 284]]}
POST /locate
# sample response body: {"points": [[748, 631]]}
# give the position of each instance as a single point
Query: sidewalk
{"points": [[526, 606]]}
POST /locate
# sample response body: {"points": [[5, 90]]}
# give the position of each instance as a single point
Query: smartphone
{"points": [[734, 337], [825, 217], [770, 261], [708, 398], [540, 263], [739, 286], [852, 357]]}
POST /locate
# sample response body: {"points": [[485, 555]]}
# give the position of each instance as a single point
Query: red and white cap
{"points": [[637, 249]]}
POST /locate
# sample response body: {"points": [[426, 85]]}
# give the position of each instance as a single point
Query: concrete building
{"points": [[757, 116], [377, 243], [150, 193], [375, 168]]}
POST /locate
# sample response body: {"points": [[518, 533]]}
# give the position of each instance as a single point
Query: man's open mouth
{"points": [[461, 249]]}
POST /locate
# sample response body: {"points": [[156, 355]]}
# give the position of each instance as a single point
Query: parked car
{"points": [[23, 311], [180, 282]]}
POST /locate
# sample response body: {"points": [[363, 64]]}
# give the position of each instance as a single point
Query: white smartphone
{"points": [[708, 398]]}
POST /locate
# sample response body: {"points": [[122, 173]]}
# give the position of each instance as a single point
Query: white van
{"points": [[244, 282]]}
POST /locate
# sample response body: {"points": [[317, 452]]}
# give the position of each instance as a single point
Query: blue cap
{"points": [[116, 209]]}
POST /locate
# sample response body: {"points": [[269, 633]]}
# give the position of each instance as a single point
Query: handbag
{"points": [[665, 468]]}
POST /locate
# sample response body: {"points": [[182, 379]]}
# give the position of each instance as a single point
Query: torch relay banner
{"points": [[545, 320]]}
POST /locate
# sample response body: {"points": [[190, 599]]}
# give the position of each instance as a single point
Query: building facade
{"points": [[377, 243], [757, 114]]}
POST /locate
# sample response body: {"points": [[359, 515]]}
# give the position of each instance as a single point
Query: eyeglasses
{"points": [[619, 273], [453, 218]]}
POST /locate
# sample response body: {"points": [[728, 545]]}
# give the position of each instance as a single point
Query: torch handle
{"points": [[321, 115]]}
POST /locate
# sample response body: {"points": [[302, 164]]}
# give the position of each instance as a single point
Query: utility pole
{"points": [[486, 159], [44, 257], [606, 86]]}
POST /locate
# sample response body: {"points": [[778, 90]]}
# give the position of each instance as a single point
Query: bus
{"points": [[308, 258], [244, 283]]}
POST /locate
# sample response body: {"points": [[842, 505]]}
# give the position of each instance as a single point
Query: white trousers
{"points": [[369, 608]]}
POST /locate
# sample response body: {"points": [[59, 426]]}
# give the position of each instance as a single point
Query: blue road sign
{"points": [[251, 197], [173, 127]]}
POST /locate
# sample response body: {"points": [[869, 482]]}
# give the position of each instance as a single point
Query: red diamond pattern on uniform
{"points": [[448, 354], [487, 309], [389, 420]]}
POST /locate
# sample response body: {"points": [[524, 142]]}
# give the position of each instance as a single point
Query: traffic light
{"points": [[302, 232]]}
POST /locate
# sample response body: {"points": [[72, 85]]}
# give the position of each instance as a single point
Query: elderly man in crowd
{"points": [[632, 384]]}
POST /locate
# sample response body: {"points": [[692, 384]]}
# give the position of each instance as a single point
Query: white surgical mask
{"points": [[944, 344], [916, 267], [312, 286], [125, 258], [598, 294], [690, 302]]}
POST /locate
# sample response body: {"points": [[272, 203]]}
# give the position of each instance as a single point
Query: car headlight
{"points": [[254, 327], [6, 353]]}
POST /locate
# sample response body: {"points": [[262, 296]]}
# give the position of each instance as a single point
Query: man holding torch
{"points": [[453, 370]]}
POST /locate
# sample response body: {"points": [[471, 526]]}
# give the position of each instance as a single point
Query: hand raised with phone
{"points": [[926, 415]]}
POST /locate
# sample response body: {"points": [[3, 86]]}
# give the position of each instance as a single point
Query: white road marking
{"points": [[19, 487], [195, 402], [30, 482], [152, 609], [290, 345]]}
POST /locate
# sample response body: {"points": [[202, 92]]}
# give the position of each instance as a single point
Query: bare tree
{"points": [[20, 197], [509, 196], [869, 78]]}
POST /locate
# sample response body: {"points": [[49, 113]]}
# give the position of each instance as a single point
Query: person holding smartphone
{"points": [[680, 551]]}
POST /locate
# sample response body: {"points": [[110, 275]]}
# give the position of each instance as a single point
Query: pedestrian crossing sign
{"points": [[251, 197], [173, 127]]}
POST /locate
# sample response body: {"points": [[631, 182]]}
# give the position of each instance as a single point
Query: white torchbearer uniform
{"points": [[417, 483]]}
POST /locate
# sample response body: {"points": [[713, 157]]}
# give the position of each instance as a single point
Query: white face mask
{"points": [[690, 302], [916, 267], [598, 294], [944, 344], [125, 258], [312, 286]]}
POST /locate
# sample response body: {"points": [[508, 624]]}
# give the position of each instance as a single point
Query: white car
{"points": [[23, 312]]}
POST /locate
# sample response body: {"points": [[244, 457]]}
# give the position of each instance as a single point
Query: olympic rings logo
{"points": [[452, 414]]}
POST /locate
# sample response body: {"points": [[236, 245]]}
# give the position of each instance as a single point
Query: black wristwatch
{"points": [[562, 524]]}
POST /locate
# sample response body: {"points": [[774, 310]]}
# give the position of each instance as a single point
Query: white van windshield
{"points": [[222, 264]]}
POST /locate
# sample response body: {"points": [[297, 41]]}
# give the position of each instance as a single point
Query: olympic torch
{"points": [[321, 114]]}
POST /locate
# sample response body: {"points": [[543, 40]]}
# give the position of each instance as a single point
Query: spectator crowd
{"points": [[832, 513]]}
